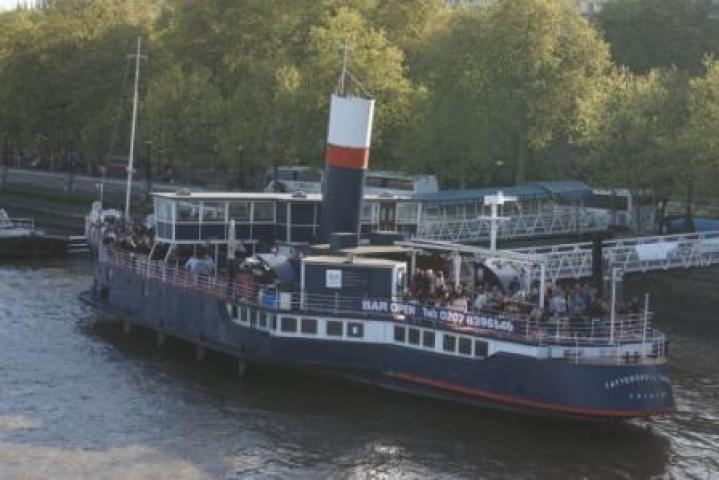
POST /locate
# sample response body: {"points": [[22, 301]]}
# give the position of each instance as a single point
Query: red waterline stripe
{"points": [[524, 403], [347, 157]]}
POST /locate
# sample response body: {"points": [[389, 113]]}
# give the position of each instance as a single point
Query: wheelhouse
{"points": [[187, 218]]}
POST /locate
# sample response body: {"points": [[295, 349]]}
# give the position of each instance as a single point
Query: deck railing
{"points": [[630, 338], [7, 222]]}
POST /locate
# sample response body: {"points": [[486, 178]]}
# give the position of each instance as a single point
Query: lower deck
{"points": [[428, 361]]}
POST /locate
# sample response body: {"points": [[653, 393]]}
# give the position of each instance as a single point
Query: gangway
{"points": [[631, 255], [554, 220]]}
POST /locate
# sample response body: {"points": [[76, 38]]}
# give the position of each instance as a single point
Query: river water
{"points": [[80, 400]]}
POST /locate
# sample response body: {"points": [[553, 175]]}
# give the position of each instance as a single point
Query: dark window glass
{"points": [[309, 326], [234, 311], [188, 212], [465, 346], [414, 336], [240, 211], [264, 212], [253, 316], [355, 330], [288, 324], [399, 334], [263, 320], [428, 339], [449, 343], [334, 328], [480, 348], [274, 322]]}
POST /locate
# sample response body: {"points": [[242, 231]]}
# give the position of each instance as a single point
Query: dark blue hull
{"points": [[503, 380]]}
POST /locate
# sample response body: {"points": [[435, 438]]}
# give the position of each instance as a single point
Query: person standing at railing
{"points": [[202, 264]]}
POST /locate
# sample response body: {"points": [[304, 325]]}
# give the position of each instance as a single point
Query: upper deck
{"points": [[625, 338]]}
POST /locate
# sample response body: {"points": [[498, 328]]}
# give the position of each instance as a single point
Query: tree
{"points": [[634, 132], [506, 85], [186, 113], [702, 125], [646, 34]]}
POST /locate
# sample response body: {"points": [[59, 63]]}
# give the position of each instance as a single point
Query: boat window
{"points": [[234, 311], [213, 212], [399, 334], [400, 184], [264, 212], [481, 349], [334, 328], [289, 324], [355, 330], [407, 212], [450, 343], [414, 336], [465, 346], [240, 211], [428, 338], [263, 320], [309, 326], [367, 212], [163, 210], [188, 212]]}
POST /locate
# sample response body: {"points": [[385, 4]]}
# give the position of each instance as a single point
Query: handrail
{"points": [[570, 334], [17, 223]]}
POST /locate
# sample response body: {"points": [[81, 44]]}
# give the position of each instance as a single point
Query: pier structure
{"points": [[541, 209], [575, 260], [631, 255]]}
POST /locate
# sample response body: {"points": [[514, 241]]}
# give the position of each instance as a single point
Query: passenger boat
{"points": [[20, 239], [297, 283]]}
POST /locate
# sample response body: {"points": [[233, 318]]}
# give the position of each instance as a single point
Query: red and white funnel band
{"points": [[350, 132], [357, 158]]}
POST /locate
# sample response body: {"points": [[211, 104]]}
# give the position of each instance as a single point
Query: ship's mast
{"points": [[133, 127]]}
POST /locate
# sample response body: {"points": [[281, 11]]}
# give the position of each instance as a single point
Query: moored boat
{"points": [[370, 307], [19, 238]]}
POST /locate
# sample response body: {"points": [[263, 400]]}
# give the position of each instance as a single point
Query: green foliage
{"points": [[646, 34], [700, 134], [634, 131], [516, 91], [506, 85]]}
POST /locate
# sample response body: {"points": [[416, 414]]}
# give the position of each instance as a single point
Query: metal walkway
{"points": [[641, 254], [553, 221]]}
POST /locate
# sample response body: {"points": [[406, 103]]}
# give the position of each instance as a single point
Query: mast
{"points": [[133, 127]]}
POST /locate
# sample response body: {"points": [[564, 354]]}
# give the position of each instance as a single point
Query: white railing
{"points": [[556, 220], [632, 337], [7, 222], [631, 255]]}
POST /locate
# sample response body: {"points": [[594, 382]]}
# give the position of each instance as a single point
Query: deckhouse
{"points": [[186, 218]]}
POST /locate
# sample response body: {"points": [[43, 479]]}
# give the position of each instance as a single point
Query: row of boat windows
{"points": [[337, 328], [450, 343]]}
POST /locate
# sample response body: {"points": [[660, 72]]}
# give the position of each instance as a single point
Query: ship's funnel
{"points": [[346, 159]]}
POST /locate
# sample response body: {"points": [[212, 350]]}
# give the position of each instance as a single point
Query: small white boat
{"points": [[20, 239]]}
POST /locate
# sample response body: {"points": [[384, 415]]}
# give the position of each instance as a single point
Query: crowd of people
{"points": [[136, 237], [572, 300]]}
